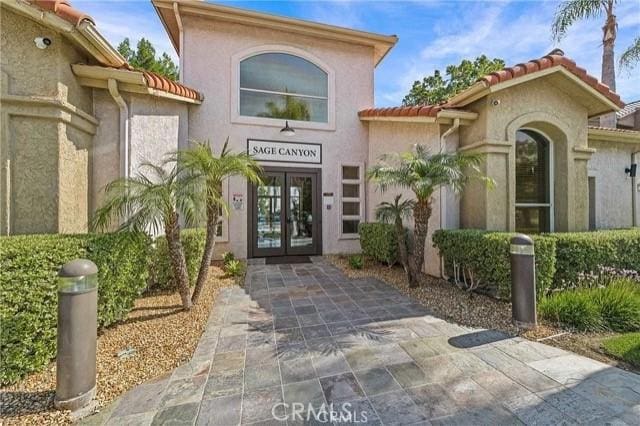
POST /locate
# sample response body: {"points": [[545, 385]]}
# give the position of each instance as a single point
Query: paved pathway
{"points": [[307, 334]]}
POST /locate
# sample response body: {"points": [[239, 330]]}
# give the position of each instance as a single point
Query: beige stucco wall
{"points": [[550, 106], [46, 132], [209, 47], [613, 186]]}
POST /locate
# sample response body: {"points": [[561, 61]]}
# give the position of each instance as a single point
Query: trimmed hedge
{"points": [[28, 290], [378, 241], [487, 255], [193, 240], [586, 252]]}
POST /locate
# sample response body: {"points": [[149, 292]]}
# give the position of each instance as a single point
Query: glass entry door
{"points": [[286, 219]]}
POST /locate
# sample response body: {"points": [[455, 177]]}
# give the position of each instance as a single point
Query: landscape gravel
{"points": [[156, 337]]}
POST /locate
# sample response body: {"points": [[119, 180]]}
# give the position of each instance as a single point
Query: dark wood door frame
{"points": [[317, 214]]}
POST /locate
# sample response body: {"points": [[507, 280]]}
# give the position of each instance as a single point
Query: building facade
{"points": [[299, 96]]}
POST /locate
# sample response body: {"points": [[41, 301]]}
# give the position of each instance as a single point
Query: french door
{"points": [[285, 214]]}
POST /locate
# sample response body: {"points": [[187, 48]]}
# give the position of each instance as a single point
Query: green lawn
{"points": [[626, 347]]}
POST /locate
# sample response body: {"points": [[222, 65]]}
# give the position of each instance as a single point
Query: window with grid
{"points": [[351, 208]]}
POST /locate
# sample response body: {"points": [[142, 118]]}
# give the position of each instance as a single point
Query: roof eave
{"points": [[381, 44], [601, 134]]}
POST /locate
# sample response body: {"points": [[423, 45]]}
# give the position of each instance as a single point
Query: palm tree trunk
{"points": [[608, 76], [178, 262], [210, 242], [402, 248], [421, 215]]}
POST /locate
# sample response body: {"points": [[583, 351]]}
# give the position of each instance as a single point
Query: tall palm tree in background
{"points": [[201, 164], [395, 213], [424, 173], [153, 202], [571, 11]]}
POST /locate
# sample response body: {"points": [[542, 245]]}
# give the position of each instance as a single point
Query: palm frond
{"points": [[571, 11], [631, 56]]}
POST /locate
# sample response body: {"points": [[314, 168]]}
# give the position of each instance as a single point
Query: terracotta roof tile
{"points": [[64, 10], [158, 82], [554, 58]]}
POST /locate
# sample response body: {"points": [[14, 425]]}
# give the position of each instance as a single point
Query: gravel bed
{"points": [[157, 333], [445, 299]]}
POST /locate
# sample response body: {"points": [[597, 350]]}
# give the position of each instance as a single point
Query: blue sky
{"points": [[432, 34]]}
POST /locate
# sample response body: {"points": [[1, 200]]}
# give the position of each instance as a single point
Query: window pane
{"points": [[350, 190], [280, 72], [532, 168], [350, 226], [219, 229], [532, 220], [256, 104], [351, 208], [350, 172]]}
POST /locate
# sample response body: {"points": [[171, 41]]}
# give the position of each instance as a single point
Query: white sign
{"points": [[285, 152]]}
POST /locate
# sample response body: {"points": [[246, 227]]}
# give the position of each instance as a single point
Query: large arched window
{"points": [[285, 86], [534, 187]]}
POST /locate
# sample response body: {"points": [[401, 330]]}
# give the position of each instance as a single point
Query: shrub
{"points": [[616, 307], [571, 309], [227, 256], [356, 262], [28, 290], [378, 241], [193, 240], [234, 268], [587, 252], [486, 256]]}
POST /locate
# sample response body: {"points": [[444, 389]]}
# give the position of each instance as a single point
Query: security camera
{"points": [[42, 42], [495, 102]]}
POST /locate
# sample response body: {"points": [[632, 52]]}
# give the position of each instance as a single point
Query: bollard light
{"points": [[77, 334], [523, 282]]}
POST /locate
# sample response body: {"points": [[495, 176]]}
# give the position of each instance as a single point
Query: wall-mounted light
{"points": [[631, 171], [286, 130]]}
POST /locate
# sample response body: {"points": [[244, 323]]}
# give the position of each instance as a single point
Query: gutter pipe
{"points": [[125, 163], [635, 157], [443, 201]]}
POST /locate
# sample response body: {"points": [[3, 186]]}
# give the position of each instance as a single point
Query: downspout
{"points": [[176, 11], [635, 157], [443, 202], [125, 164]]}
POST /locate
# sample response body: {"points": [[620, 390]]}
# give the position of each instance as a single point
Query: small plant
{"points": [[615, 307], [356, 261], [228, 256], [233, 268]]}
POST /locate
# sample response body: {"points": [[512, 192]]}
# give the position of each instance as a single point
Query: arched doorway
{"points": [[534, 182]]}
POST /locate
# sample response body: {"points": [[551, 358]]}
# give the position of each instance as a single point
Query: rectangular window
{"points": [[351, 200]]}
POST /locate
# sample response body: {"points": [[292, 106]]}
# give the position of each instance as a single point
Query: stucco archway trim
{"points": [[234, 109]]}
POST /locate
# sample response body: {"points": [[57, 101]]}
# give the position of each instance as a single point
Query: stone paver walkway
{"points": [[308, 334]]}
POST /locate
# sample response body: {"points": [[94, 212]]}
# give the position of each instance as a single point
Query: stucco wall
{"points": [[47, 127], [207, 58], [551, 106], [613, 186]]}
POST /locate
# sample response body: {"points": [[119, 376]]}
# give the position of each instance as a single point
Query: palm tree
{"points": [[210, 170], [395, 213], [631, 56], [153, 202], [571, 11], [424, 173]]}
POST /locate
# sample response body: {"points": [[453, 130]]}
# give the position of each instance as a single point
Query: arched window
{"points": [[534, 185], [285, 86]]}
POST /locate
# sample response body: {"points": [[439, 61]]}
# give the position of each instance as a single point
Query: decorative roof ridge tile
{"points": [[64, 10]]}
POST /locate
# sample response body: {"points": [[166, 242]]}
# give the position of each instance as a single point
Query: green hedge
{"points": [[378, 241], [487, 255], [28, 290], [193, 245], [585, 252]]}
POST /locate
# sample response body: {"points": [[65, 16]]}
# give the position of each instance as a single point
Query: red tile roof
{"points": [[555, 58], [158, 82], [64, 10]]}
